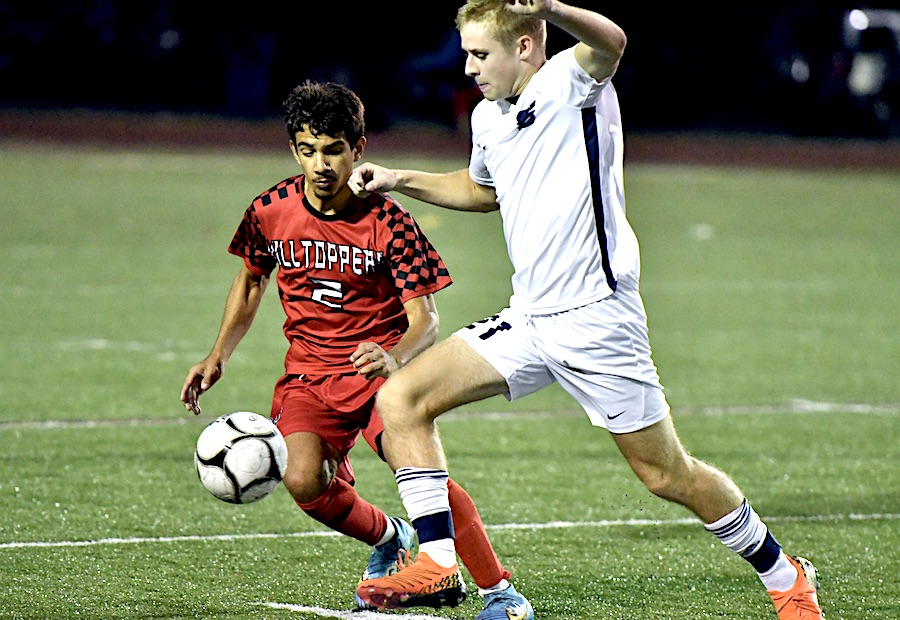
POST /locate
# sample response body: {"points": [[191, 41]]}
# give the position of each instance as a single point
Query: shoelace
{"points": [[404, 559]]}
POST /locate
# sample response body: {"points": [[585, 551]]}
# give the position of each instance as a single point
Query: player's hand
{"points": [[367, 178], [200, 378], [530, 7], [371, 360]]}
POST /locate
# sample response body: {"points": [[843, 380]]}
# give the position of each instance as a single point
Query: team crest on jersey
{"points": [[525, 117]]}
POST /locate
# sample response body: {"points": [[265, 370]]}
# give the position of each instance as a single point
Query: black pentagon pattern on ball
{"points": [[230, 422], [218, 461]]}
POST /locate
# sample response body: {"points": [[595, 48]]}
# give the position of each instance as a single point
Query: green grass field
{"points": [[773, 298]]}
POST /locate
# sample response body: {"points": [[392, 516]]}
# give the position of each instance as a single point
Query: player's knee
{"points": [[394, 403], [656, 481], [306, 485], [665, 481]]}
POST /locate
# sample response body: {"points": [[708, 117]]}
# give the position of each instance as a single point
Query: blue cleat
{"points": [[506, 605], [386, 559]]}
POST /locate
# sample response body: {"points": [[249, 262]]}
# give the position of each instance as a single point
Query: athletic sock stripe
{"points": [[740, 521], [406, 474], [423, 491]]}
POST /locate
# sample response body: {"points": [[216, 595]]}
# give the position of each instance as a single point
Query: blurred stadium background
{"points": [[804, 69]]}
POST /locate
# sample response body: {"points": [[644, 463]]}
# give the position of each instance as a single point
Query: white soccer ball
{"points": [[240, 457]]}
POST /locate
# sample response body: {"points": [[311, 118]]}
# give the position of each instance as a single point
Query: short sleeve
{"points": [[250, 243], [415, 264]]}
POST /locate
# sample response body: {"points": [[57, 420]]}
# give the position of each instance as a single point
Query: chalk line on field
{"points": [[352, 615], [550, 525], [796, 406]]}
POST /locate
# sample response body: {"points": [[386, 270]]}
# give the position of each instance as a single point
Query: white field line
{"points": [[551, 525], [796, 406], [351, 615], [61, 424]]}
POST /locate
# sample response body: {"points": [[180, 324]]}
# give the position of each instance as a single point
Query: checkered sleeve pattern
{"points": [[416, 266], [249, 241]]}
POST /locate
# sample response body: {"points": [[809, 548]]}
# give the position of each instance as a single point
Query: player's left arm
{"points": [[372, 360], [240, 309], [601, 41]]}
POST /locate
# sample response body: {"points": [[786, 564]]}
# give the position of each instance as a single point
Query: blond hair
{"points": [[503, 24]]}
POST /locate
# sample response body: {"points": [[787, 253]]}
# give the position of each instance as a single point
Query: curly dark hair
{"points": [[325, 108]]}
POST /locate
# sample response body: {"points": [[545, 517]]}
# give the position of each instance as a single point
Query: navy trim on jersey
{"points": [[592, 145]]}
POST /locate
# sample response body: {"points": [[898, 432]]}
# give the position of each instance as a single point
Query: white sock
{"points": [[389, 532], [500, 587], [780, 577], [423, 491], [443, 551], [741, 530]]}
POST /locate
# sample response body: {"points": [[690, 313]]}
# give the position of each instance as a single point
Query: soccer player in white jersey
{"points": [[547, 152]]}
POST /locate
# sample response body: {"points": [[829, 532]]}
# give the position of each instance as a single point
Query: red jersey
{"points": [[342, 278]]}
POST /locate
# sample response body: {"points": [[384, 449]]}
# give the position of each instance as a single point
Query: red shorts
{"points": [[337, 408]]}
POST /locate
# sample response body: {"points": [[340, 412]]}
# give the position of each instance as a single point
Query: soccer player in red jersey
{"points": [[356, 278]]}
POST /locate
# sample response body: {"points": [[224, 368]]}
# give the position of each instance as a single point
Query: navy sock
{"points": [[765, 557], [437, 526]]}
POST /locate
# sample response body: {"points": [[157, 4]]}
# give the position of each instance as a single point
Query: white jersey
{"points": [[554, 158]]}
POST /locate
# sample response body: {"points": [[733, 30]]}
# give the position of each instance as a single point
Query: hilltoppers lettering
{"points": [[314, 254]]}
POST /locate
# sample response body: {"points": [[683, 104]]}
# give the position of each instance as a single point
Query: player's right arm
{"points": [[601, 42], [451, 190], [240, 310]]}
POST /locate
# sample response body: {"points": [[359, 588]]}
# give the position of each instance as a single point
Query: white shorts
{"points": [[599, 353]]}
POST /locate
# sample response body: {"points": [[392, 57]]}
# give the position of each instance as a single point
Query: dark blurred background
{"points": [[796, 68]]}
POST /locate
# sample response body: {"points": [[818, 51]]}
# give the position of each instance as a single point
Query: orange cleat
{"points": [[422, 583], [800, 602]]}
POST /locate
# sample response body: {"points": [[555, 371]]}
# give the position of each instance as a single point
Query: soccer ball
{"points": [[240, 457]]}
